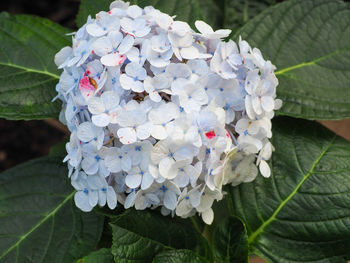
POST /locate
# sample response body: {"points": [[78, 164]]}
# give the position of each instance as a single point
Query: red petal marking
{"points": [[109, 12], [210, 134], [92, 52], [85, 84], [227, 134], [121, 60], [130, 34]]}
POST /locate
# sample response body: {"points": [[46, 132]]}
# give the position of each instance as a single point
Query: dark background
{"points": [[60, 11]]}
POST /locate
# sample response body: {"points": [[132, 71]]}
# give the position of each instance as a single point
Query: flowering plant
{"points": [[166, 113], [155, 108]]}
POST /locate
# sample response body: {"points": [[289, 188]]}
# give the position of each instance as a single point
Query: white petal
{"points": [[153, 95], [130, 200], [113, 59], [111, 198], [189, 53], [126, 82], [90, 166], [134, 11], [133, 180], [159, 151], [170, 200], [133, 54], [126, 44], [110, 99], [264, 169], [137, 86], [62, 55], [96, 105], [195, 198], [101, 120], [93, 198], [181, 180], [249, 107], [102, 46], [223, 32], [147, 181], [95, 30], [159, 132], [267, 103], [126, 163], [102, 198], [113, 164], [144, 131], [166, 169], [85, 132], [203, 27], [127, 135], [208, 216], [183, 208], [278, 104], [82, 201], [143, 32], [256, 102]]}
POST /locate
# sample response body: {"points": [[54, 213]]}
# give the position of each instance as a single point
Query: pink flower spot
{"points": [[210, 134], [130, 34], [85, 87], [92, 52], [121, 60], [227, 134]]}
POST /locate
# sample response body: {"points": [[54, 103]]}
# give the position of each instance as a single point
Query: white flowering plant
{"points": [[175, 153]]}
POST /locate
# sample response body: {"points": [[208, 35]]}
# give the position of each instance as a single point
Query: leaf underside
{"points": [[309, 42], [38, 218], [301, 213]]}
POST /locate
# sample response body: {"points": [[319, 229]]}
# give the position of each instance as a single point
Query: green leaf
{"points": [[185, 10], [178, 256], [140, 235], [103, 255], [38, 218], [59, 149], [28, 74], [309, 42], [230, 241], [301, 213], [239, 12]]}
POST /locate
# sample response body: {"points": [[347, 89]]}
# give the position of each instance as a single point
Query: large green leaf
{"points": [[301, 213], [103, 255], [178, 256], [230, 241], [239, 12], [28, 74], [138, 236], [185, 10], [309, 42], [38, 218]]}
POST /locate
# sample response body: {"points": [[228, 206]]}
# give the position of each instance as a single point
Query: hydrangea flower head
{"points": [[162, 115]]}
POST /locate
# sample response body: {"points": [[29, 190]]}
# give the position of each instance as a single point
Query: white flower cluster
{"points": [[155, 109]]}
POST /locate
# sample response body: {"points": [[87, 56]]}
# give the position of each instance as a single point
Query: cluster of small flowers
{"points": [[162, 116]]}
